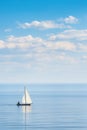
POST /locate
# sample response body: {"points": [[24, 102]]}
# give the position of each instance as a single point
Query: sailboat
{"points": [[26, 99]]}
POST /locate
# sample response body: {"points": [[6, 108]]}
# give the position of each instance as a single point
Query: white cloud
{"points": [[23, 42], [37, 44], [2, 44], [71, 34], [66, 46], [23, 39], [49, 24], [11, 45], [62, 45], [71, 20], [40, 50], [43, 25]]}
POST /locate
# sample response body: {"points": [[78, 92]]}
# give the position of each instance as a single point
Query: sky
{"points": [[43, 41]]}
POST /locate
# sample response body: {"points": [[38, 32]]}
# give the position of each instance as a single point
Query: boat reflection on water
{"points": [[26, 109]]}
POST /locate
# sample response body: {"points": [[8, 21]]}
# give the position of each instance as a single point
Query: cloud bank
{"points": [[64, 45], [42, 25], [49, 24]]}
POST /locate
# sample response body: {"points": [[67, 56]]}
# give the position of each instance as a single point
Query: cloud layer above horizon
{"points": [[58, 43], [65, 40]]}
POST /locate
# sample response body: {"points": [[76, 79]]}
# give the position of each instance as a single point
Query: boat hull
{"points": [[23, 104]]}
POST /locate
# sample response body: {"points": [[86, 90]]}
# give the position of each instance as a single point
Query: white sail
{"points": [[26, 98]]}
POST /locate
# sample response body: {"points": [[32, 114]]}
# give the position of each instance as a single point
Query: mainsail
{"points": [[26, 98]]}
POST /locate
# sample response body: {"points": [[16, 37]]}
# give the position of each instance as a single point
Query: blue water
{"points": [[55, 107]]}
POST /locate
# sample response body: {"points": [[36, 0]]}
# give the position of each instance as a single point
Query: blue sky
{"points": [[43, 41]]}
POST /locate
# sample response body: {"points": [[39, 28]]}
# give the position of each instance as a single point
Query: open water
{"points": [[55, 107]]}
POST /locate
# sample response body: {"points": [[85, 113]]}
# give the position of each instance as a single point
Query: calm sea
{"points": [[55, 107]]}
